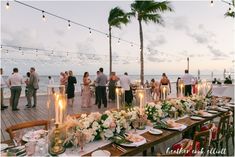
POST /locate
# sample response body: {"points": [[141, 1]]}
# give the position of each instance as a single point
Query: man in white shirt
{"points": [[125, 84], [3, 85], [188, 81], [15, 81]]}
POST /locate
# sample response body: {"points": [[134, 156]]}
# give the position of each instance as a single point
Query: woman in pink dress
{"points": [[86, 93]]}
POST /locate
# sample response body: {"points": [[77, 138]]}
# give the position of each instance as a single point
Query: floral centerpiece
{"points": [[153, 111]]}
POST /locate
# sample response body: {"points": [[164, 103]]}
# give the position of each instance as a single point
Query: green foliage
{"points": [[117, 17]]}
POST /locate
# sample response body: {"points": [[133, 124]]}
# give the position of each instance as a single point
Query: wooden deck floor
{"points": [[9, 117]]}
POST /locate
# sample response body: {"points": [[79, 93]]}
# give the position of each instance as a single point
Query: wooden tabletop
{"points": [[152, 140]]}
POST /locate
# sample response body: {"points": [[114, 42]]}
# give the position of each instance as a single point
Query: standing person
{"points": [[96, 88], [155, 89], [51, 80], [187, 78], [15, 82], [86, 95], [125, 84], [3, 85], [101, 81], [27, 88], [177, 86], [33, 87], [112, 85], [66, 74], [71, 88], [165, 82]]}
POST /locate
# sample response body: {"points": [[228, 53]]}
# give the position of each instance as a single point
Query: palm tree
{"points": [[116, 18], [230, 12], [147, 11]]}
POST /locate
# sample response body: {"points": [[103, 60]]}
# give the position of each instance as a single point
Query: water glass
{"points": [[18, 137], [135, 124], [81, 140], [30, 148]]}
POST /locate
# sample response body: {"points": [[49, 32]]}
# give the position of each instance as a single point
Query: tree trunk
{"points": [[141, 54], [110, 51]]}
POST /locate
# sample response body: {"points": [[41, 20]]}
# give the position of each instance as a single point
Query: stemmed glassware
{"points": [[81, 137], [18, 137], [135, 124]]}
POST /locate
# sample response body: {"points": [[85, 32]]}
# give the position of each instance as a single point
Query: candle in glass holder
{"points": [[181, 90], [141, 103], [117, 97], [198, 89], [60, 111], [56, 109], [163, 93]]}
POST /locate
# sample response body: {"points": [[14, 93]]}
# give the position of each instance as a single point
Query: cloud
{"points": [[217, 54], [59, 32], [24, 37], [178, 23], [155, 59]]}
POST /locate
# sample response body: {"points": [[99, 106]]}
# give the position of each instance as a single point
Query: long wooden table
{"points": [[153, 140]]}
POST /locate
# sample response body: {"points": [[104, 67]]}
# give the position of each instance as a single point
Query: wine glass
{"points": [[30, 148], [81, 140], [18, 137], [135, 125]]}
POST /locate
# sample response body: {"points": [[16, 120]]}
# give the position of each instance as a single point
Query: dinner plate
{"points": [[33, 135], [135, 144], [103, 153], [212, 111], [3, 146], [179, 128], [196, 118], [155, 131], [222, 109]]}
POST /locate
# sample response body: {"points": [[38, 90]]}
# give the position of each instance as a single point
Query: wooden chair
{"points": [[200, 140], [223, 133], [10, 130]]}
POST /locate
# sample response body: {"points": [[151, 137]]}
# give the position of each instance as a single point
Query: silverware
{"points": [[119, 148]]}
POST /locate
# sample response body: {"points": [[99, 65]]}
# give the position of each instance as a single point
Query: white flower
{"points": [[108, 133], [173, 108], [107, 122], [95, 125], [83, 116], [118, 129]]}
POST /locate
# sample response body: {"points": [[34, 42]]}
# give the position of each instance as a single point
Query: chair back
{"points": [[10, 130], [224, 125], [204, 137]]}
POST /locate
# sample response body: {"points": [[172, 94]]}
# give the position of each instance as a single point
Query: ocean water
{"points": [[44, 82]]}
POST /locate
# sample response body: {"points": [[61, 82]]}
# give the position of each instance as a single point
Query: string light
{"points": [[69, 25], [43, 16], [212, 2], [7, 5], [90, 31], [119, 41]]}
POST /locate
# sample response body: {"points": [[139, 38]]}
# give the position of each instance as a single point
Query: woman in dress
{"points": [[71, 88], [165, 82], [86, 94], [112, 86]]}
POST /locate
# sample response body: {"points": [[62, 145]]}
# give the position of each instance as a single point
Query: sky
{"points": [[195, 30]]}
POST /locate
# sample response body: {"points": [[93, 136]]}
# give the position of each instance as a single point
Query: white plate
{"points": [[179, 128], [33, 135], [196, 118], [135, 144], [222, 109], [103, 153], [155, 131], [212, 111], [3, 146]]}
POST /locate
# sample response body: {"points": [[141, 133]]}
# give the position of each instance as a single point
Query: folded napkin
{"points": [[175, 126]]}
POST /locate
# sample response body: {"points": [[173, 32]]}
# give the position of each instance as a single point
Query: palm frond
{"points": [[117, 17], [230, 14], [156, 18]]}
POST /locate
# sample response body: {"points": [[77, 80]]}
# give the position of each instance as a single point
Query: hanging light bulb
{"points": [[7, 5], [69, 25], [43, 16], [131, 44], [67, 53], [90, 31], [119, 41], [230, 9], [212, 2]]}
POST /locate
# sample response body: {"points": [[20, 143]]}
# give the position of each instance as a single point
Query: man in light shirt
{"points": [[101, 82], [125, 84], [188, 81], [3, 85], [33, 87], [15, 82]]}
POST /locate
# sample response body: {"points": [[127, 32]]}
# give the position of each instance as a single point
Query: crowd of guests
{"points": [[187, 79], [101, 84], [15, 82]]}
